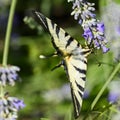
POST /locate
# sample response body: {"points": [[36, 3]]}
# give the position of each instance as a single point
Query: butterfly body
{"points": [[74, 59]]}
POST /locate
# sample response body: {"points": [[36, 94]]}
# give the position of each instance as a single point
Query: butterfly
{"points": [[74, 58]]}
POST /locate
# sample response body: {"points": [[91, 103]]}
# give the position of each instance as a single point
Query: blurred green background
{"points": [[46, 93]]}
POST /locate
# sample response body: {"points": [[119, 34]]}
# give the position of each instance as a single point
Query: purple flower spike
{"points": [[93, 28], [8, 74], [9, 107]]}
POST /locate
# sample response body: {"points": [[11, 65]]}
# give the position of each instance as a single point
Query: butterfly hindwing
{"points": [[76, 70], [74, 58]]}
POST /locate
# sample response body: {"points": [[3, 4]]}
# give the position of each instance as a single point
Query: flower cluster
{"points": [[9, 106], [93, 28], [8, 74]]}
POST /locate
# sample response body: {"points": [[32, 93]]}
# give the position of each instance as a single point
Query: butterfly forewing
{"points": [[61, 39], [74, 57]]}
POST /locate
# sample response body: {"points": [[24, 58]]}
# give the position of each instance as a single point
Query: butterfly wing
{"points": [[76, 66], [74, 57], [61, 40]]}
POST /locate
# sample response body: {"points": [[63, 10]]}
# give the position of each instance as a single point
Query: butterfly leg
{"points": [[57, 66]]}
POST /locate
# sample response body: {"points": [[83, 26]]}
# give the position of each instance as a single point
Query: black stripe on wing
{"points": [[86, 52], [66, 34], [53, 24], [80, 87], [77, 58], [83, 78], [41, 19], [69, 41], [80, 70], [57, 29]]}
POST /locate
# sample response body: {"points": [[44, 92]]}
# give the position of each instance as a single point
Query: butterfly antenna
{"points": [[48, 56]]}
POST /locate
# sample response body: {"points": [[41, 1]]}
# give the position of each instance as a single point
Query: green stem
{"points": [[105, 85], [7, 40], [8, 32]]}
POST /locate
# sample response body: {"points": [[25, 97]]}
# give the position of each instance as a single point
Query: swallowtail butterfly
{"points": [[74, 58]]}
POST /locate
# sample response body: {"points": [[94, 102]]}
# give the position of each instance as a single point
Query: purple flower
{"points": [[114, 93], [18, 104], [8, 74], [9, 107], [88, 35], [86, 94], [105, 49], [113, 97], [93, 29], [100, 27]]}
